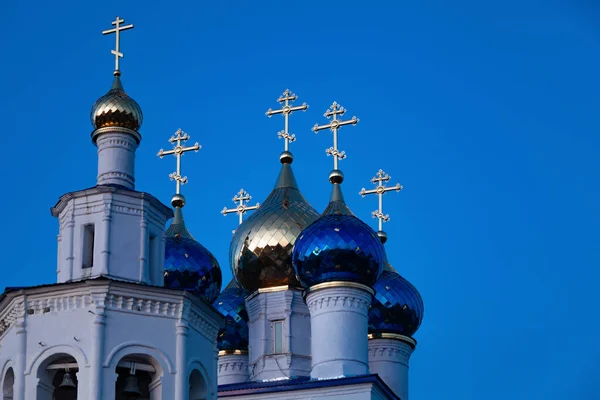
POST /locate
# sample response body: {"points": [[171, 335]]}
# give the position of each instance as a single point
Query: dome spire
{"points": [[335, 176], [117, 31], [287, 97], [261, 249], [116, 119], [188, 264], [380, 189], [178, 140]]}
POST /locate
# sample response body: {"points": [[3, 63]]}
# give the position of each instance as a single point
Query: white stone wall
{"points": [[339, 331], [389, 358], [116, 157], [233, 368], [128, 239], [264, 308], [98, 323]]}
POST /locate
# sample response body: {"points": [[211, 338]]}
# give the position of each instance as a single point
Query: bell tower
{"points": [[111, 229]]}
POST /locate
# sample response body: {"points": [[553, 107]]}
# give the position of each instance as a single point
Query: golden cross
{"points": [[243, 198], [334, 125], [380, 189], [286, 110], [179, 150], [117, 30]]}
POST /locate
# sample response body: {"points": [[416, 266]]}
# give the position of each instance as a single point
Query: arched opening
{"points": [[8, 384], [139, 378], [57, 378], [197, 386]]}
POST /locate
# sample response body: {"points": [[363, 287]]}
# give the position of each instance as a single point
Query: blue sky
{"points": [[486, 113]]}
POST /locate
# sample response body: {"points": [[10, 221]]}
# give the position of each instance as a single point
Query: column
{"points": [[182, 379], [96, 375], [339, 327], [388, 357]]}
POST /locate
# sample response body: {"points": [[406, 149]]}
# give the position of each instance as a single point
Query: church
{"points": [[139, 310]]}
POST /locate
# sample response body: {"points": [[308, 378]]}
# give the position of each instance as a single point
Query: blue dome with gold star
{"points": [[338, 247], [188, 264], [232, 305], [397, 306]]}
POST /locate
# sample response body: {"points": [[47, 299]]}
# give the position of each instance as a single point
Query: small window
{"points": [[87, 256], [277, 337]]}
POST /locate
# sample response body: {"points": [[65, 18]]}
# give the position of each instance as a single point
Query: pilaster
{"points": [[98, 295], [21, 354]]}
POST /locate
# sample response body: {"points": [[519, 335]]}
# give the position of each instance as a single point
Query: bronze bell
{"points": [[67, 381], [131, 387]]}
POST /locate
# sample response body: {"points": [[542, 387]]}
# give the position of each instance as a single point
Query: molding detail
{"points": [[338, 301], [198, 322]]}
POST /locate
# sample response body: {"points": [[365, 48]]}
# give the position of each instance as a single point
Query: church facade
{"points": [[314, 310]]}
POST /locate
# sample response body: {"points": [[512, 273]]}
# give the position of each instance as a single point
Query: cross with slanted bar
{"points": [[180, 137], [380, 189], [286, 110], [334, 125], [117, 30], [242, 197]]}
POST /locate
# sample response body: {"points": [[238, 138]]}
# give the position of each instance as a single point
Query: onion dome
{"points": [[338, 247], [188, 264], [261, 249], [397, 306], [232, 305], [116, 109]]}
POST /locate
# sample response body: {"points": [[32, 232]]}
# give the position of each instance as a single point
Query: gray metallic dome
{"points": [[261, 249], [116, 109]]}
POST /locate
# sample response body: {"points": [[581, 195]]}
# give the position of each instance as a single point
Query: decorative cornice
{"points": [[115, 129], [65, 199], [338, 284], [390, 350], [118, 140], [339, 295], [199, 322], [393, 336]]}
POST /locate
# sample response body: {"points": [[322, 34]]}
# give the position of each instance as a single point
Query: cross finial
{"points": [[241, 199], [117, 30], [286, 110], [179, 150], [379, 181], [334, 110]]}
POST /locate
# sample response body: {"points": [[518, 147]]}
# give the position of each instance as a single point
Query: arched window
{"points": [[58, 378], [197, 386], [8, 385], [138, 378]]}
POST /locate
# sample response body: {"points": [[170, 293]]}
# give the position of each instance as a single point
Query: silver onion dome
{"points": [[116, 109]]}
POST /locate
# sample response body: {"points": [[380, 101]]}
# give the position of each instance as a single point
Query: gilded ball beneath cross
{"points": [[382, 236], [336, 176], [178, 200], [286, 157]]}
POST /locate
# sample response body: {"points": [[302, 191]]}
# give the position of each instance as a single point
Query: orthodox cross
{"points": [[117, 30], [242, 197], [180, 137], [380, 189], [286, 110], [334, 125]]}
